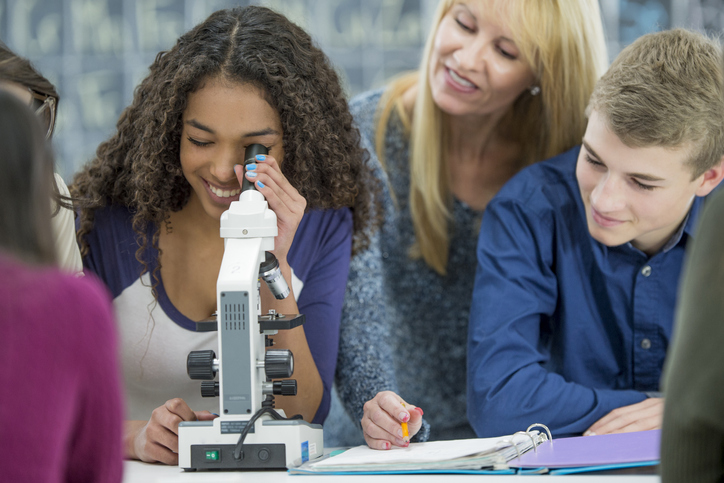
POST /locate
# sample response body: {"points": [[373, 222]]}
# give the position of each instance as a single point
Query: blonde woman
{"points": [[502, 84]]}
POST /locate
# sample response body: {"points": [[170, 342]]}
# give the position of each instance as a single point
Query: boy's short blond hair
{"points": [[667, 89]]}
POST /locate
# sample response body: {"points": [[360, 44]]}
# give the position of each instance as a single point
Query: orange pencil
{"points": [[405, 431]]}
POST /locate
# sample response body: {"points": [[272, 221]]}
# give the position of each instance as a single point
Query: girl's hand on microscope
{"points": [[383, 419], [283, 199], [156, 440]]}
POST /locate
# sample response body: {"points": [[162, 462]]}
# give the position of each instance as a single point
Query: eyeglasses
{"points": [[44, 106]]}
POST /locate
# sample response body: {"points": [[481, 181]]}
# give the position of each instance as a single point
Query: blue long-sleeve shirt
{"points": [[563, 329]]}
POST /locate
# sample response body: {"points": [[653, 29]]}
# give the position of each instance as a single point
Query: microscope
{"points": [[249, 434]]}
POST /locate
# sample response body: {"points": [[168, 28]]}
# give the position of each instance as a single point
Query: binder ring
{"points": [[510, 442], [548, 431], [525, 433], [536, 440]]}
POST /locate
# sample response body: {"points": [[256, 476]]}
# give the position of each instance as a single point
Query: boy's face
{"points": [[637, 195]]}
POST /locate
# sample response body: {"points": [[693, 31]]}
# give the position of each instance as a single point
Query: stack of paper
{"points": [[461, 454]]}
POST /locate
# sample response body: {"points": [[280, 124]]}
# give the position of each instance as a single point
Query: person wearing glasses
{"points": [[18, 76], [61, 412]]}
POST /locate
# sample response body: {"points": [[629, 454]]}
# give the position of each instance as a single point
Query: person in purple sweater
{"points": [[61, 410], [157, 189]]}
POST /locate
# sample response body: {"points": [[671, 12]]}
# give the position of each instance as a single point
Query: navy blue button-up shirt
{"points": [[563, 329]]}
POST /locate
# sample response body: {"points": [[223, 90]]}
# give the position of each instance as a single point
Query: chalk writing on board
{"points": [[96, 51]]}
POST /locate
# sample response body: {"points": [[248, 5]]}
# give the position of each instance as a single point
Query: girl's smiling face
{"points": [[221, 119]]}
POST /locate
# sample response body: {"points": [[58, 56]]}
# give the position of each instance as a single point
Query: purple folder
{"points": [[602, 450]]}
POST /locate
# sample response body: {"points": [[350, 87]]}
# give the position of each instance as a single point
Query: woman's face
{"points": [[221, 119], [475, 67]]}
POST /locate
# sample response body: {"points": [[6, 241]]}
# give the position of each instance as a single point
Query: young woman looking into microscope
{"points": [[160, 184]]}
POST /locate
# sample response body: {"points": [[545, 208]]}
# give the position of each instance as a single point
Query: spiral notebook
{"points": [[455, 456]]}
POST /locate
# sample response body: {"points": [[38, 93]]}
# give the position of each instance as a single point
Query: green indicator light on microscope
{"points": [[212, 456]]}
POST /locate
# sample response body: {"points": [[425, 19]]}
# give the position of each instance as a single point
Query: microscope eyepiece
{"points": [[250, 158]]}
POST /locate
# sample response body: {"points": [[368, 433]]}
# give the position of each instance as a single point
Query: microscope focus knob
{"points": [[209, 389], [200, 364], [287, 387], [278, 363]]}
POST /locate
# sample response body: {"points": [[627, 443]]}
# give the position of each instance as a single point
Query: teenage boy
{"points": [[579, 256]]}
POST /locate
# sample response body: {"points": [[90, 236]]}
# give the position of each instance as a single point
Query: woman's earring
{"points": [[534, 91]]}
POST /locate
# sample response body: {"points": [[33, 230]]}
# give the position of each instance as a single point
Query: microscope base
{"points": [[271, 445]]}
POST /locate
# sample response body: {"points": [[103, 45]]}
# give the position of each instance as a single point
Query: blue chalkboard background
{"points": [[96, 51]]}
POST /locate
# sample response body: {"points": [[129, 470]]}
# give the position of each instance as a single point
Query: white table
{"points": [[138, 472]]}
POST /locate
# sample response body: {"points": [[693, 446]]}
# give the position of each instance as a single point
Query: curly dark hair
{"points": [[139, 166]]}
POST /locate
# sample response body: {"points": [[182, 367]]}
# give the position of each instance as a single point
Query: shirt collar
{"points": [[676, 237], [688, 226], [693, 216]]}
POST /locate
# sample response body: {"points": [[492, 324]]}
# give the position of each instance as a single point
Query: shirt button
{"points": [[646, 344], [646, 271]]}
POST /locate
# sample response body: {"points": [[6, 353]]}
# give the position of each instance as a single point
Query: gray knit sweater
{"points": [[404, 327]]}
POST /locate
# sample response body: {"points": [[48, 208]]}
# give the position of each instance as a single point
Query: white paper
{"points": [[416, 452]]}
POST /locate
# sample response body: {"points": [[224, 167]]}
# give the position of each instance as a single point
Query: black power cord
{"points": [[238, 449]]}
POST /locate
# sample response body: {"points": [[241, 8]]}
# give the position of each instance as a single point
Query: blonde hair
{"points": [[665, 89], [563, 43]]}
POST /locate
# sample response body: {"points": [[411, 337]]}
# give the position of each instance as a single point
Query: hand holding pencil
{"points": [[390, 421]]}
